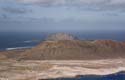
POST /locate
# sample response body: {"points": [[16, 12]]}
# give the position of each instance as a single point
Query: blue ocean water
{"points": [[11, 40]]}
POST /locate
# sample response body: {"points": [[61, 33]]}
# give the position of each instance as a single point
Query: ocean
{"points": [[17, 40]]}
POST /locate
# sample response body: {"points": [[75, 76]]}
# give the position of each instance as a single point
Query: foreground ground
{"points": [[35, 70]]}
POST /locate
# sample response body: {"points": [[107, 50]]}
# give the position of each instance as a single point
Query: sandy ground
{"points": [[34, 70]]}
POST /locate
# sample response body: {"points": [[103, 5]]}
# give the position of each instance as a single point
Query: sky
{"points": [[49, 15]]}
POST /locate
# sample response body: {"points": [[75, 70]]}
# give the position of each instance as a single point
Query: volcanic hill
{"points": [[63, 46]]}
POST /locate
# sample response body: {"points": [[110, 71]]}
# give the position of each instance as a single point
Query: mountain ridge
{"points": [[63, 46], [75, 49]]}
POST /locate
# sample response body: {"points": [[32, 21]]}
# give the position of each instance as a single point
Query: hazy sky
{"points": [[40, 15]]}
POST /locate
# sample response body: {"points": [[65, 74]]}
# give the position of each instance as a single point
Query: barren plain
{"points": [[45, 69]]}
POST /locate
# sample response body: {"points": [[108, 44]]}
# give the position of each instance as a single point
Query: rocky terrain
{"points": [[60, 36], [2, 57], [50, 69], [66, 47], [63, 55], [75, 50]]}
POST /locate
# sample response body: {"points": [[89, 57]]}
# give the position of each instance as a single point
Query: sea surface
{"points": [[17, 40]]}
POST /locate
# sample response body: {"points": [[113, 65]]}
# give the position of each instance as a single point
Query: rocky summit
{"points": [[60, 36]]}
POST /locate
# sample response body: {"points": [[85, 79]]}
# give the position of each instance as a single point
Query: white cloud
{"points": [[72, 1], [45, 7], [88, 4], [94, 4]]}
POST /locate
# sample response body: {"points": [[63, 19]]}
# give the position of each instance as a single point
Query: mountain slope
{"points": [[63, 46], [75, 50]]}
